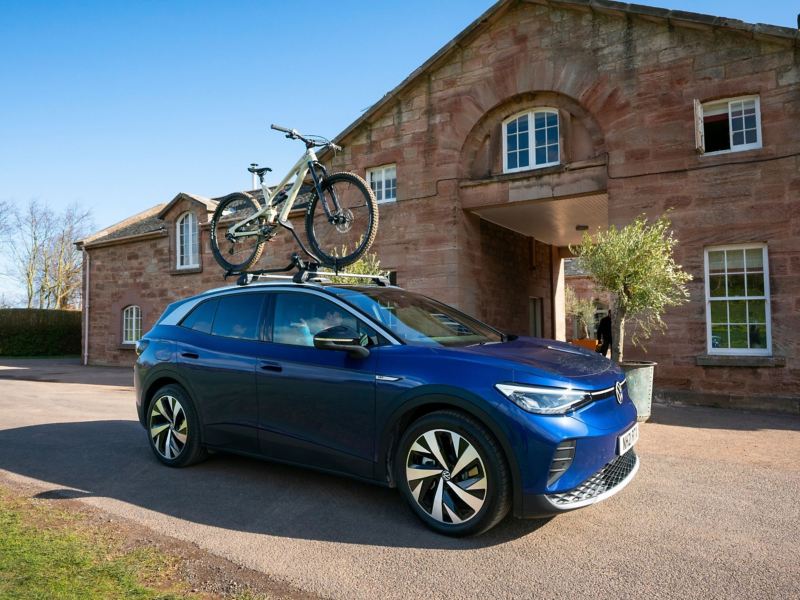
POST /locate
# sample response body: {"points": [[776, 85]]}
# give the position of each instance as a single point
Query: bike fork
{"points": [[317, 180]]}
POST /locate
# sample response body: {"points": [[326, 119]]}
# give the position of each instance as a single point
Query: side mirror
{"points": [[342, 338]]}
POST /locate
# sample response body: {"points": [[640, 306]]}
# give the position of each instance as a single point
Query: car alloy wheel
{"points": [[169, 427], [446, 476]]}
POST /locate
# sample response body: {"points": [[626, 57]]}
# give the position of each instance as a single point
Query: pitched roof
{"points": [[142, 223], [209, 203], [621, 9]]}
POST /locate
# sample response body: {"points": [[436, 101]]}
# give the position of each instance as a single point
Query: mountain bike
{"points": [[341, 217]]}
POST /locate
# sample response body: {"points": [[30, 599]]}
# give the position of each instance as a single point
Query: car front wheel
{"points": [[453, 474]]}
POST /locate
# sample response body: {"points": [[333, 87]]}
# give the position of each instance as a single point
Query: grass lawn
{"points": [[50, 554]]}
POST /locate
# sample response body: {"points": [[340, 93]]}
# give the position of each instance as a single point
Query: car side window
{"points": [[238, 316], [299, 317], [201, 317]]}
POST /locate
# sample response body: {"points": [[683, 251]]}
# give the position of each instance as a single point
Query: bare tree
{"points": [[40, 244]]}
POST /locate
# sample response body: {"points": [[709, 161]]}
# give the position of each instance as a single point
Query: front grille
{"points": [[604, 480]]}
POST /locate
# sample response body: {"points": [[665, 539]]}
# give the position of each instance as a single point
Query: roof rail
{"points": [[307, 272]]}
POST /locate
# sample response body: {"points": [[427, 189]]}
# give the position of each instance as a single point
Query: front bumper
{"points": [[606, 482]]}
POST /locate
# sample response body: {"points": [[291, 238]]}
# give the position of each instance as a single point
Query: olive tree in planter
{"points": [[582, 310], [636, 265]]}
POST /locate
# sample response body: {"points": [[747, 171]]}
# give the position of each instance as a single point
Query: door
{"points": [[317, 407], [218, 355]]}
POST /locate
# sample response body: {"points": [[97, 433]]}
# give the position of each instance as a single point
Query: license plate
{"points": [[626, 441]]}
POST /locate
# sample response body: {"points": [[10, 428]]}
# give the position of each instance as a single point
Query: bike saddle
{"points": [[259, 170]]}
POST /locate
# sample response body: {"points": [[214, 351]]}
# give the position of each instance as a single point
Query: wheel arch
{"points": [[158, 380], [413, 409]]}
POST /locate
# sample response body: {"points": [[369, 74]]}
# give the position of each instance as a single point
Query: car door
{"points": [[316, 407], [218, 355]]}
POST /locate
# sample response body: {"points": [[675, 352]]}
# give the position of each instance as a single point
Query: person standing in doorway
{"points": [[604, 334]]}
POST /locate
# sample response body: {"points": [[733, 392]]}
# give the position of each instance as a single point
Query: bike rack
{"points": [[307, 271]]}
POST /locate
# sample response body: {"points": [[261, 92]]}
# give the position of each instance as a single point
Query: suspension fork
{"points": [[313, 166]]}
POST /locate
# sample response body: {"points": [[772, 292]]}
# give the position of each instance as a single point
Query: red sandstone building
{"points": [[540, 117]]}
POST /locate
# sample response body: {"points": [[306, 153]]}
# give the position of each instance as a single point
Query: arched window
{"points": [[131, 324], [188, 251], [530, 140]]}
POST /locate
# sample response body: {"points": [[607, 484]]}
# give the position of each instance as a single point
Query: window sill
{"points": [[729, 360], [186, 270], [127, 347]]}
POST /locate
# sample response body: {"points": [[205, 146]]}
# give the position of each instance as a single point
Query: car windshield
{"points": [[418, 320]]}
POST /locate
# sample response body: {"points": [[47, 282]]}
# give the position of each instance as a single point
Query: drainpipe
{"points": [[86, 270]]}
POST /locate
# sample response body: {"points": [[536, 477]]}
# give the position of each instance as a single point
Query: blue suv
{"points": [[391, 387]]}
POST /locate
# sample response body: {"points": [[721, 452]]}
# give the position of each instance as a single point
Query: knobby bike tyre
{"points": [[343, 242], [242, 254]]}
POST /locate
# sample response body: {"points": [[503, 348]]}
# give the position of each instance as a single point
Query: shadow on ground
{"points": [[722, 418], [112, 459], [63, 370]]}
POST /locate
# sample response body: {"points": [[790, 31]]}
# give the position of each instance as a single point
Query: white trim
{"points": [[194, 242], [739, 147], [382, 170], [530, 113], [85, 307], [135, 322], [766, 297]]}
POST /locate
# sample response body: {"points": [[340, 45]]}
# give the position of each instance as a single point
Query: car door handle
{"points": [[271, 366], [190, 355]]}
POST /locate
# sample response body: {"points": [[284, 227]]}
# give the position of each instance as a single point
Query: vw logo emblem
{"points": [[618, 391], [446, 475]]}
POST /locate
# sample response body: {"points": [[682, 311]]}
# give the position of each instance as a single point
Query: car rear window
{"points": [[238, 316], [201, 318]]}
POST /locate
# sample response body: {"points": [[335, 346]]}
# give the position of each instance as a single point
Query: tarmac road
{"points": [[713, 513]]}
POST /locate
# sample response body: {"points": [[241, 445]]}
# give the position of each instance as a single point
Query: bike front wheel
{"points": [[340, 236], [237, 253]]}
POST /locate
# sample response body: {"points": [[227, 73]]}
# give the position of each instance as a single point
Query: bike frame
{"points": [[299, 171]]}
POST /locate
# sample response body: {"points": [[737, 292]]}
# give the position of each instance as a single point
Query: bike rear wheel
{"points": [[239, 253], [343, 237]]}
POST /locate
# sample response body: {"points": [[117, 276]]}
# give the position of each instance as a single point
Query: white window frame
{"points": [[131, 324], [766, 297], [531, 139], [699, 109], [381, 170], [193, 260]]}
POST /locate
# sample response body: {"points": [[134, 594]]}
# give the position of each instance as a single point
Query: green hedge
{"points": [[35, 332]]}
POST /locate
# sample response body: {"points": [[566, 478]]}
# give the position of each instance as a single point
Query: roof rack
{"points": [[307, 272]]}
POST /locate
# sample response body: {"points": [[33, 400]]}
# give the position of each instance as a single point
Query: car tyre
{"points": [[468, 494], [173, 427]]}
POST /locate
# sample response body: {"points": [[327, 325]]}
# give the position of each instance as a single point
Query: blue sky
{"points": [[121, 105]]}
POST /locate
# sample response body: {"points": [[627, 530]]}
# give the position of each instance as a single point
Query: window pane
{"points": [[719, 311], [737, 311], [238, 315], [524, 158], [201, 318], [552, 154], [739, 336], [552, 119], [755, 284], [737, 124], [750, 122], [738, 138], [541, 156], [758, 336], [719, 336], [541, 137], [736, 285], [750, 136], [299, 317], [523, 141], [539, 120], [512, 142], [522, 123], [716, 261], [755, 259], [716, 285], [511, 128], [552, 135], [735, 260], [390, 173], [512, 160], [756, 311]]}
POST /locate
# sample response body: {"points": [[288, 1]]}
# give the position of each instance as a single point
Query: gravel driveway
{"points": [[713, 513]]}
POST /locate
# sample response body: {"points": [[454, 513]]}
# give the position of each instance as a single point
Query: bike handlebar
{"points": [[294, 134]]}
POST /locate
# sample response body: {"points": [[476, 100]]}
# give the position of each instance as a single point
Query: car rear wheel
{"points": [[453, 474], [173, 427]]}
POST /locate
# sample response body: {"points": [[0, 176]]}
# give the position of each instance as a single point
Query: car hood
{"points": [[554, 358]]}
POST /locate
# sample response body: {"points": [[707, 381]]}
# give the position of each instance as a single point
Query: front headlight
{"points": [[542, 400]]}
